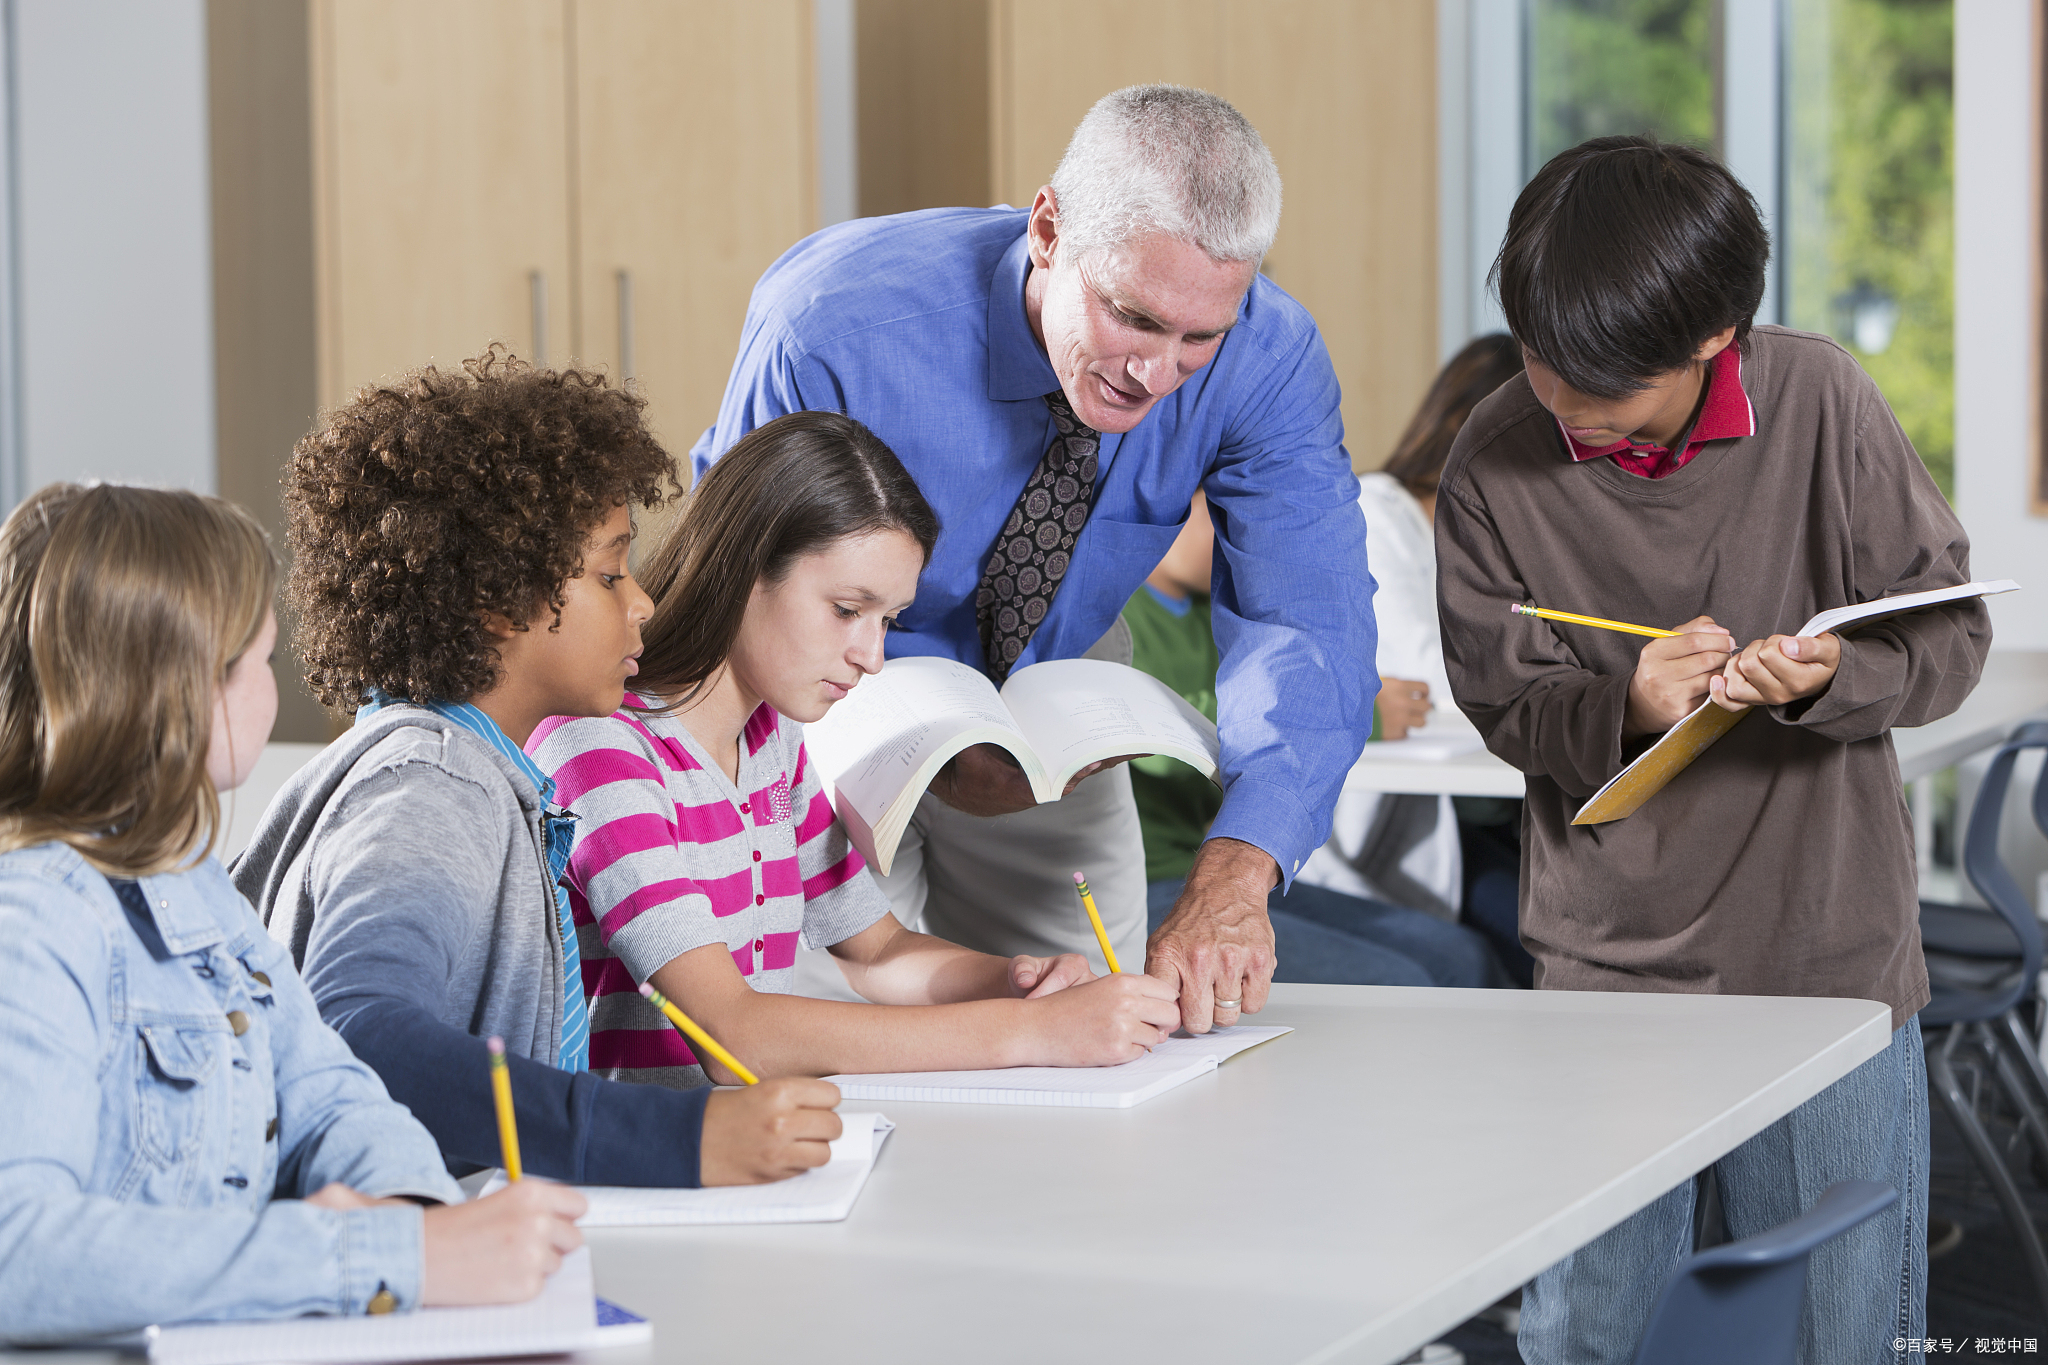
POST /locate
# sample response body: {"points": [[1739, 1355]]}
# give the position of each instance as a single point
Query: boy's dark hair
{"points": [[788, 489], [1623, 255], [1484, 365], [425, 502]]}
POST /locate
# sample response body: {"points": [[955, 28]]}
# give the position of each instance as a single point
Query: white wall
{"points": [[1995, 354], [114, 239]]}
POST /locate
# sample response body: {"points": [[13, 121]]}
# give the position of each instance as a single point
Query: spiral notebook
{"points": [[567, 1316], [823, 1195], [1173, 1062]]}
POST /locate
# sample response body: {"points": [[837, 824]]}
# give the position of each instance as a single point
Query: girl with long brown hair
{"points": [[708, 847], [190, 1141]]}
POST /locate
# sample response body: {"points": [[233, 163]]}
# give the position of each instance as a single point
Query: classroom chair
{"points": [[1741, 1301], [1977, 1027]]}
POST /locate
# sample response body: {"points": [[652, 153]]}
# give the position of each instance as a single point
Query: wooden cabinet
{"points": [[514, 170], [694, 146]]}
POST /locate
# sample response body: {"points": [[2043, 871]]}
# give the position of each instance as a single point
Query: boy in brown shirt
{"points": [[1663, 462]]}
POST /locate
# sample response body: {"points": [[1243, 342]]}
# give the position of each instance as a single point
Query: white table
{"points": [[2014, 688], [1345, 1193]]}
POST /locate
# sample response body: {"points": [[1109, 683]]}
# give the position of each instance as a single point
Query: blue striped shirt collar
{"points": [[477, 723]]}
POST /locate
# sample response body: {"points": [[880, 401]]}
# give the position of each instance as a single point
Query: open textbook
{"points": [[1173, 1062], [567, 1316], [822, 1195], [880, 747], [1626, 791]]}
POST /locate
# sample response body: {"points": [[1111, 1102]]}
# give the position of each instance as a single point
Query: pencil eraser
{"points": [[496, 1045], [1080, 880], [1515, 607], [647, 988]]}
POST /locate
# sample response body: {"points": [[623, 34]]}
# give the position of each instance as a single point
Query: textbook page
{"points": [[881, 745], [563, 1318], [823, 1195], [1174, 1062], [1625, 792], [1081, 711]]}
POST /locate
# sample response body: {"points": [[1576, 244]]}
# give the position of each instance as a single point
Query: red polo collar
{"points": [[1727, 412]]}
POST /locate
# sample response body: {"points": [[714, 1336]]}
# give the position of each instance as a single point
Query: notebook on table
{"points": [[567, 1316], [823, 1195], [1174, 1062]]}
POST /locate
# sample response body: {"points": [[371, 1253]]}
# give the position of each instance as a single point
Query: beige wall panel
{"points": [[263, 321], [1344, 93], [695, 138], [441, 181], [1052, 59], [923, 92]]}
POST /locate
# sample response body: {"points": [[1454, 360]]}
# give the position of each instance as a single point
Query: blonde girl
{"points": [[185, 1138]]}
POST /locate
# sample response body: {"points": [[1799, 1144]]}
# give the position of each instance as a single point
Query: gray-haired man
{"points": [[1115, 348]]}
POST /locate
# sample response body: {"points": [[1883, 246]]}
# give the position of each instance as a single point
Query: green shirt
{"points": [[1175, 803]]}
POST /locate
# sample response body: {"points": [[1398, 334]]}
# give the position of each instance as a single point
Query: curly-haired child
{"points": [[187, 1140], [460, 574]]}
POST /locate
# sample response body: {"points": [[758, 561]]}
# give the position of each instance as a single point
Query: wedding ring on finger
{"points": [[1228, 1004]]}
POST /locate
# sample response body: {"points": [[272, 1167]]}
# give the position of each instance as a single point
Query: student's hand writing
{"points": [[1403, 705], [1034, 978], [1102, 1022], [769, 1131], [1781, 669], [500, 1248], [1673, 675]]}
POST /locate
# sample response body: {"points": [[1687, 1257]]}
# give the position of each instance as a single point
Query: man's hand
{"points": [[1033, 978], [1217, 945], [1674, 675], [1403, 705], [984, 780], [1781, 669], [769, 1131]]}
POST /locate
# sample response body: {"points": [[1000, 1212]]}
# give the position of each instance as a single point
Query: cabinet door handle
{"points": [[625, 280], [537, 301]]}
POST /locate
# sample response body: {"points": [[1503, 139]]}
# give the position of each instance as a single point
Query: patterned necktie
{"points": [[1036, 544]]}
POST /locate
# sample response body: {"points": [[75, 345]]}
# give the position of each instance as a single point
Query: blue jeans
{"points": [[1325, 936], [1864, 1290]]}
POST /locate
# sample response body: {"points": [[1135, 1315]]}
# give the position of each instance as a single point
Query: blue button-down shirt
{"points": [[915, 325]]}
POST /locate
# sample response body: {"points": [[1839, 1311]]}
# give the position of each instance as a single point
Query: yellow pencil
{"points": [[696, 1034], [1094, 918], [501, 1089], [1578, 620]]}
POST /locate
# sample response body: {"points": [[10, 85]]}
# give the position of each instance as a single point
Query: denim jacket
{"points": [[170, 1096]]}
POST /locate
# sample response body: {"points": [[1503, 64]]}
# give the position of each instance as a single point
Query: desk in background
{"points": [[2014, 688]]}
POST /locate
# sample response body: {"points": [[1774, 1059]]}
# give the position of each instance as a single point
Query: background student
{"points": [[708, 844], [1457, 857], [460, 572], [189, 1141], [1664, 462], [1319, 934]]}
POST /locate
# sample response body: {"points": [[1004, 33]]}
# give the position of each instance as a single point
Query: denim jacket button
{"points": [[260, 978], [270, 1130], [381, 1302], [238, 1021]]}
